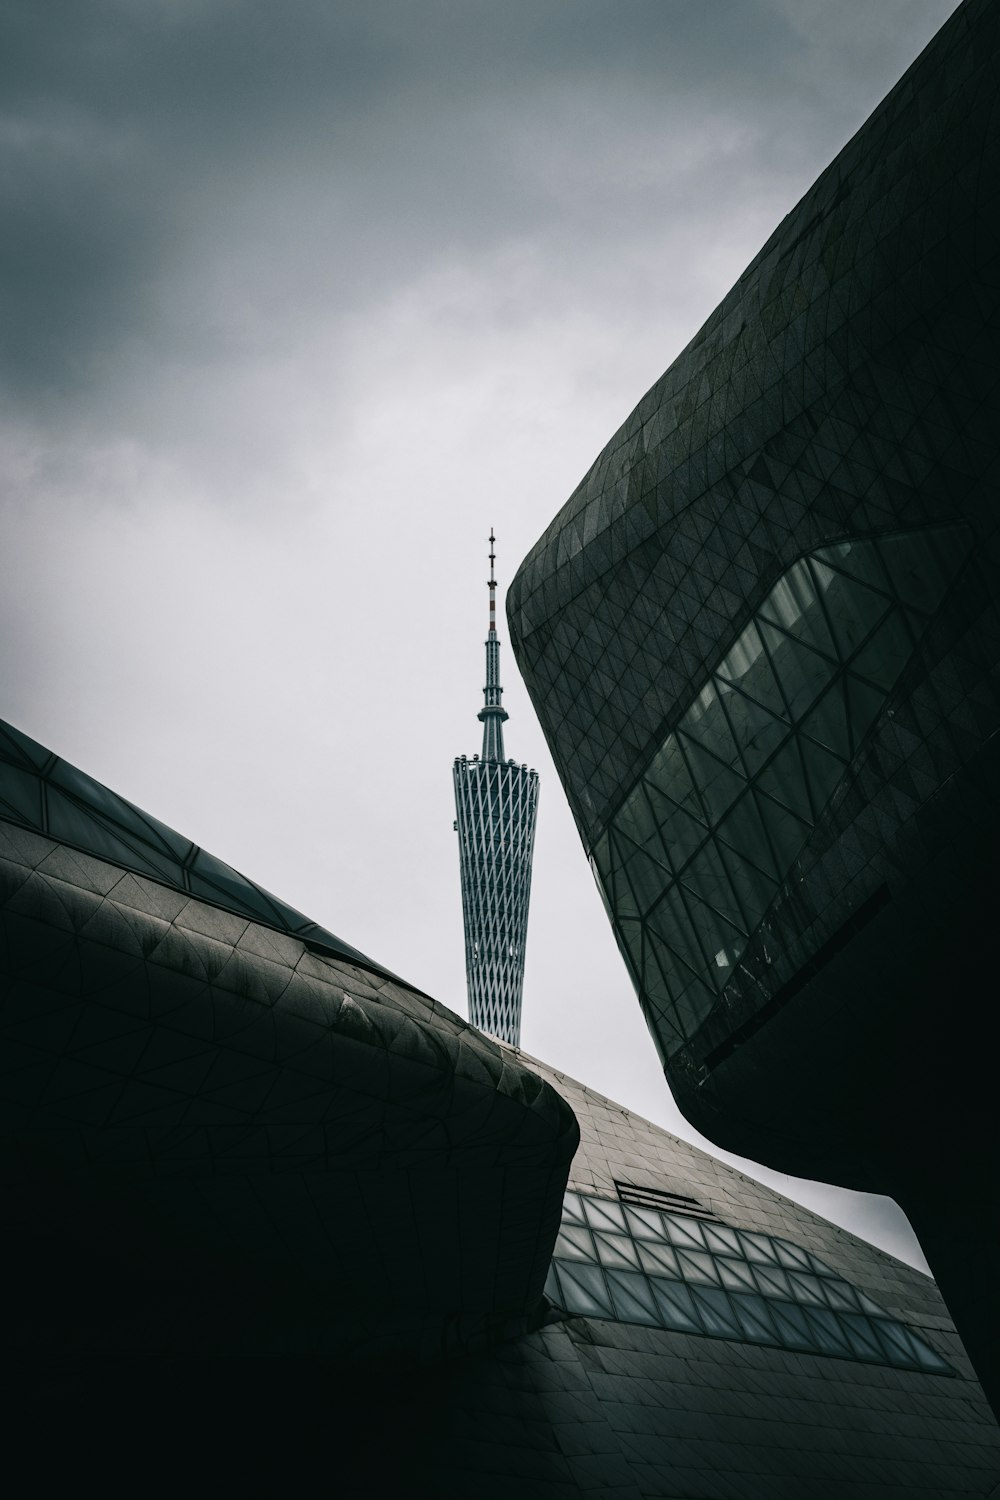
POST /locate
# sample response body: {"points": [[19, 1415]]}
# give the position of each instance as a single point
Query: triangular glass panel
{"points": [[754, 1318], [583, 1290], [758, 1247], [706, 723], [718, 784], [604, 1215], [671, 921], [756, 731], [674, 1304], [772, 1281], [791, 1325], [622, 895], [840, 1294], [928, 1358], [743, 829], [721, 942], [572, 1209], [716, 1311], [573, 1242], [827, 722], [615, 1249], [721, 1240], [853, 610], [862, 1336], [858, 558], [646, 879], [792, 605], [633, 1298], [735, 1274], [754, 890], [658, 1260], [806, 1288], [635, 822], [698, 1266], [784, 780], [791, 1255], [748, 668], [668, 770], [643, 1223], [864, 704], [681, 833], [788, 834], [824, 773], [921, 565], [896, 1342], [830, 1337], [883, 657], [706, 876], [683, 1231], [802, 672]]}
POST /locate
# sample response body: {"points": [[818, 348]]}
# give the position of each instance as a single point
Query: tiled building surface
{"points": [[580, 1407], [197, 1101], [762, 639], [277, 1224], [606, 1408]]}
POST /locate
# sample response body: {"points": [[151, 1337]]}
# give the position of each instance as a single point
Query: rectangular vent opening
{"points": [[674, 1203]]}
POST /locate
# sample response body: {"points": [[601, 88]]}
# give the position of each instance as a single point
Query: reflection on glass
{"points": [[669, 1270], [692, 860]]}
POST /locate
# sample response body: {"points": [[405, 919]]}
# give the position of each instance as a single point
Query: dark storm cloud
{"points": [[345, 143]]}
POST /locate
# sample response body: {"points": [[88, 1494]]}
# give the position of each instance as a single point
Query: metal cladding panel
{"points": [[496, 805], [217, 1141]]}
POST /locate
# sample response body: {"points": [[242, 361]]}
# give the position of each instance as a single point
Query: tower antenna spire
{"points": [[496, 802], [492, 714], [492, 586]]}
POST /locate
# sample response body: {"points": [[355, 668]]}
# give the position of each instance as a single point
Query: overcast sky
{"points": [[299, 299]]}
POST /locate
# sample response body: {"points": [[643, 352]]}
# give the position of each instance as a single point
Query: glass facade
{"points": [[639, 1265], [47, 794], [694, 856]]}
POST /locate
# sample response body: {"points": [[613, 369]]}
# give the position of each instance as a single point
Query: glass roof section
{"points": [[670, 1270], [48, 795], [694, 857]]}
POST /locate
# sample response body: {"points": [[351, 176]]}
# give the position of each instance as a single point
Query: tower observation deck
{"points": [[496, 804]]}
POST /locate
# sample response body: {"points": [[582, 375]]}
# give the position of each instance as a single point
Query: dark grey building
{"points": [[762, 637], [496, 806], [274, 1220]]}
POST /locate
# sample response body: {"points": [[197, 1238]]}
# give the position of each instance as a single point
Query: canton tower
{"points": [[496, 801]]}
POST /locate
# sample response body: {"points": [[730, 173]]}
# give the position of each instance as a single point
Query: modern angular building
{"points": [[496, 805], [762, 639], [274, 1219]]}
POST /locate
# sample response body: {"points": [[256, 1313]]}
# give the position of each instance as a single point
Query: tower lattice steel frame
{"points": [[496, 803]]}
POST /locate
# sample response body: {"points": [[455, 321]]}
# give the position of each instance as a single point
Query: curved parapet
{"points": [[218, 1136]]}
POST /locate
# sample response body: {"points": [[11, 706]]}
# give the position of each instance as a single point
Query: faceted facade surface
{"points": [[273, 1220], [612, 1402], [762, 639], [496, 805], [218, 1138]]}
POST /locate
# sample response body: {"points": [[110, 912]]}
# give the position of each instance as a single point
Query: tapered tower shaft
{"points": [[496, 804]]}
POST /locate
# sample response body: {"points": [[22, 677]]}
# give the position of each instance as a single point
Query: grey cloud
{"points": [[346, 143]]}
